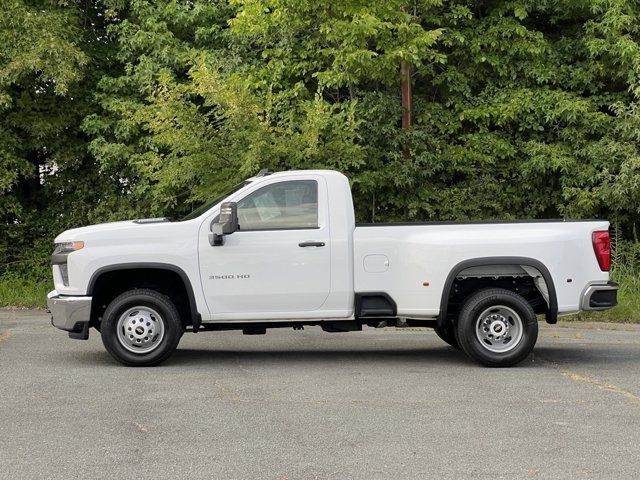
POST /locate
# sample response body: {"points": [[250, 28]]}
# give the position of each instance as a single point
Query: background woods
{"points": [[117, 109]]}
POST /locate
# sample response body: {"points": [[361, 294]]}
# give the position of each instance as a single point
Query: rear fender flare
{"points": [[552, 311]]}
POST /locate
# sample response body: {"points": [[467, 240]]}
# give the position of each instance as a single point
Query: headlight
{"points": [[67, 247], [60, 255]]}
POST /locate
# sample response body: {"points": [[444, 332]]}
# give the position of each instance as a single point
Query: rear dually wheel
{"points": [[497, 327]]}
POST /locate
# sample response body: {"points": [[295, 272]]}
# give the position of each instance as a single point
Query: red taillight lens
{"points": [[602, 247]]}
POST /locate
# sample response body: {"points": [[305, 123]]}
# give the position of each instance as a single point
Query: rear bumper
{"points": [[600, 296], [69, 313]]}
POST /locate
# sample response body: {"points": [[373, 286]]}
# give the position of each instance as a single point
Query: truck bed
{"points": [[412, 261]]}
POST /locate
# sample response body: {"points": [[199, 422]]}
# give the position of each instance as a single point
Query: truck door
{"points": [[279, 259]]}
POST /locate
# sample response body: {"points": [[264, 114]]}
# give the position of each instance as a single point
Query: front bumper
{"points": [[600, 296], [69, 313]]}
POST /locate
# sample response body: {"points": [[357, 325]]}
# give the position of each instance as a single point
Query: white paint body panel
{"points": [[428, 253], [282, 281]]}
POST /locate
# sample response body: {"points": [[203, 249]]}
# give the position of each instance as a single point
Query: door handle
{"points": [[310, 243]]}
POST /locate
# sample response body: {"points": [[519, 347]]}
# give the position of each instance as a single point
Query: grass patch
{"points": [[17, 292], [20, 292]]}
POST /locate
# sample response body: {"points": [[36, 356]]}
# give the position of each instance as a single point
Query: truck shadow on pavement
{"points": [[443, 356], [561, 356], [439, 355]]}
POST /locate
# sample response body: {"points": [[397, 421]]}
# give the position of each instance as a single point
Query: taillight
{"points": [[602, 247]]}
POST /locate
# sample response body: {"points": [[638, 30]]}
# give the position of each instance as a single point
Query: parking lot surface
{"points": [[377, 404]]}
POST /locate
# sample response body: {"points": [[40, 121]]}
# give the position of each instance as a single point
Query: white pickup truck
{"points": [[283, 250]]}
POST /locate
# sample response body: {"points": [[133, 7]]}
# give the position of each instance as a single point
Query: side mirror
{"points": [[227, 224]]}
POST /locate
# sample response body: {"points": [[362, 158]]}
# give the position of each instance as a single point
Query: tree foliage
{"points": [[121, 108]]}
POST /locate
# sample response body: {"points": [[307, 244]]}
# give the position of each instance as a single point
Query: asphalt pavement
{"points": [[377, 404]]}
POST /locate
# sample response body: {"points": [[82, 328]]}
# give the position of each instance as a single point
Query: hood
{"points": [[82, 233]]}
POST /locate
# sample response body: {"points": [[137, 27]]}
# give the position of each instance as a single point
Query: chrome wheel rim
{"points": [[140, 329], [499, 329]]}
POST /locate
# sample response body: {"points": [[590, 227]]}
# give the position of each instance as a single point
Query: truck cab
{"points": [[290, 256]]}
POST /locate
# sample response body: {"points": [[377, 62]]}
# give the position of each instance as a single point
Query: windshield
{"points": [[203, 208]]}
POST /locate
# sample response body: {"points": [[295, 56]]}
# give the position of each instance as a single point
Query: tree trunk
{"points": [[405, 73]]}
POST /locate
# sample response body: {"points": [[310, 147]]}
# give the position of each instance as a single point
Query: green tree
{"points": [[48, 70], [235, 88]]}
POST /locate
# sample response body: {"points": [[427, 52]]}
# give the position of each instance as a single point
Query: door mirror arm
{"points": [[227, 224]]}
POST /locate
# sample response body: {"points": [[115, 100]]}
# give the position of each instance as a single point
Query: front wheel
{"points": [[497, 327], [141, 327]]}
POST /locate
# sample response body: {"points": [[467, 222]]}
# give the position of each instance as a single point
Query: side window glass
{"points": [[280, 206]]}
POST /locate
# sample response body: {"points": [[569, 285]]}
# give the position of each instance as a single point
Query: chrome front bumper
{"points": [[600, 296], [67, 312]]}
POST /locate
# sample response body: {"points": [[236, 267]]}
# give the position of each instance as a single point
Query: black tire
{"points": [[490, 301], [141, 298], [448, 334]]}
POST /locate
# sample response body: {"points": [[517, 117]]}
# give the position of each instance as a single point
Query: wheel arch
{"points": [[551, 315], [195, 317]]}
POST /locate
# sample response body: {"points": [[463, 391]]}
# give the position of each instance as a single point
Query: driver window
{"points": [[280, 206]]}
